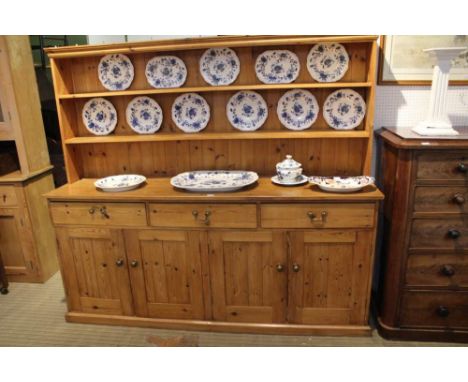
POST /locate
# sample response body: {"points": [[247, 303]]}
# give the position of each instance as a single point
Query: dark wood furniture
{"points": [[424, 283]]}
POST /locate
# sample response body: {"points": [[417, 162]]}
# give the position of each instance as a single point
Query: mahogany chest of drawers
{"points": [[424, 279]]}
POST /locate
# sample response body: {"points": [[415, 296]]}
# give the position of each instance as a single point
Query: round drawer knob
{"points": [[296, 267], [453, 234], [463, 168], [134, 264], [458, 199], [442, 311], [119, 262], [447, 270], [280, 267]]}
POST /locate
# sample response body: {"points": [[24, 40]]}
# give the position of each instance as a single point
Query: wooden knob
{"points": [[447, 270], [453, 233], [442, 311], [463, 168], [458, 199], [119, 262]]}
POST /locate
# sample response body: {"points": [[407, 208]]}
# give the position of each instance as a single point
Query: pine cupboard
{"points": [[265, 259]]}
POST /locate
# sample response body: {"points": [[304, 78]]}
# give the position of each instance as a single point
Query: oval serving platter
{"points": [[115, 71], [214, 181], [166, 72], [297, 109], [219, 66], [341, 184], [120, 183], [144, 115], [344, 109], [99, 116], [277, 67], [247, 110]]}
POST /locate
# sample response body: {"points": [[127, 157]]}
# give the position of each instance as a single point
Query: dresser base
{"points": [[214, 326], [439, 335]]}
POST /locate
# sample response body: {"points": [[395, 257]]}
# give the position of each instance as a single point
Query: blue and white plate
{"points": [[247, 111], [344, 109], [327, 62], [297, 109], [115, 72], [119, 183], [219, 66], [99, 116], [166, 72], [144, 115], [277, 67], [214, 181], [190, 112]]}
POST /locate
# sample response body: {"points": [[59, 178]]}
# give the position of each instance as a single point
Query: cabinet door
{"points": [[165, 270], [95, 270], [248, 276], [329, 277], [16, 242]]}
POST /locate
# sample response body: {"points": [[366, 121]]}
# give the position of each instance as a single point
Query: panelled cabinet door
{"points": [[329, 276], [95, 270], [248, 276], [165, 271]]}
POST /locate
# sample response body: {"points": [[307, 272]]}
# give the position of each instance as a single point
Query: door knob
{"points": [[119, 262], [280, 267], [296, 267], [134, 264]]}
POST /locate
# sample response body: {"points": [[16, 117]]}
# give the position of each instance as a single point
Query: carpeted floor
{"points": [[33, 315]]}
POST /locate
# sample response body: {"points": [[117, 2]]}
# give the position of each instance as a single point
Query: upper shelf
{"points": [[201, 89]]}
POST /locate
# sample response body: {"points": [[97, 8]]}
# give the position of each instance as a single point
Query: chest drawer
{"points": [[443, 165], [99, 214], [8, 196], [203, 215], [440, 233], [441, 199], [435, 309], [437, 270], [324, 215]]}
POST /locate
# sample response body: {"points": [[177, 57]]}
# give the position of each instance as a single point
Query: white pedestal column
{"points": [[437, 121]]}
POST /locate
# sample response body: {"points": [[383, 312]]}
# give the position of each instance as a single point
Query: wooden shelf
{"points": [[202, 89], [164, 137]]}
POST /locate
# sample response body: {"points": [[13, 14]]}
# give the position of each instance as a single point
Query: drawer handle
{"points": [[447, 270], [280, 267], [103, 211], [119, 262], [313, 217], [195, 214], [134, 264], [462, 168], [92, 210], [458, 199], [453, 234], [296, 267], [442, 311], [206, 220]]}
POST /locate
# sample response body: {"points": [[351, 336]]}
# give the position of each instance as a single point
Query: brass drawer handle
{"points": [[463, 168], [447, 270], [206, 221], [314, 219], [442, 311], [458, 199], [195, 214], [296, 267], [104, 213], [453, 234]]}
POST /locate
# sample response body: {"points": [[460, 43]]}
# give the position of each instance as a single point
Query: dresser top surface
{"points": [[160, 189], [404, 137]]}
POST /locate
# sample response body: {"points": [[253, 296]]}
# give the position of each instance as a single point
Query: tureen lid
{"points": [[288, 163]]}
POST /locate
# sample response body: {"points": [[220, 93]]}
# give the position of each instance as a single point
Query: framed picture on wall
{"points": [[403, 61]]}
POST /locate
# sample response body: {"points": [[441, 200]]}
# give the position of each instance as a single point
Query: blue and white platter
{"points": [[116, 72], [327, 62], [166, 72], [214, 181], [341, 184], [99, 116], [344, 109], [247, 110], [277, 67], [120, 183], [190, 112], [219, 66], [144, 115], [297, 109]]}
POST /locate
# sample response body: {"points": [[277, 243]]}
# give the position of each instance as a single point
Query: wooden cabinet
{"points": [[425, 271]]}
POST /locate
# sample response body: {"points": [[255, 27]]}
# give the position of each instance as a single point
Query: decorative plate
{"points": [[247, 111], [166, 72], [99, 116], [297, 109], [116, 72], [214, 181], [144, 115], [344, 109], [327, 62], [219, 66], [301, 179], [119, 183], [190, 112], [341, 185], [277, 67]]}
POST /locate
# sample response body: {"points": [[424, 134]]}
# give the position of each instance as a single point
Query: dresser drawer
{"points": [[447, 233], [437, 270], [441, 199], [317, 215], [435, 309], [443, 165], [8, 196], [203, 215], [119, 214]]}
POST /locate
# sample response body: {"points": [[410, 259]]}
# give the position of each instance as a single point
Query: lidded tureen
{"points": [[288, 170]]}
